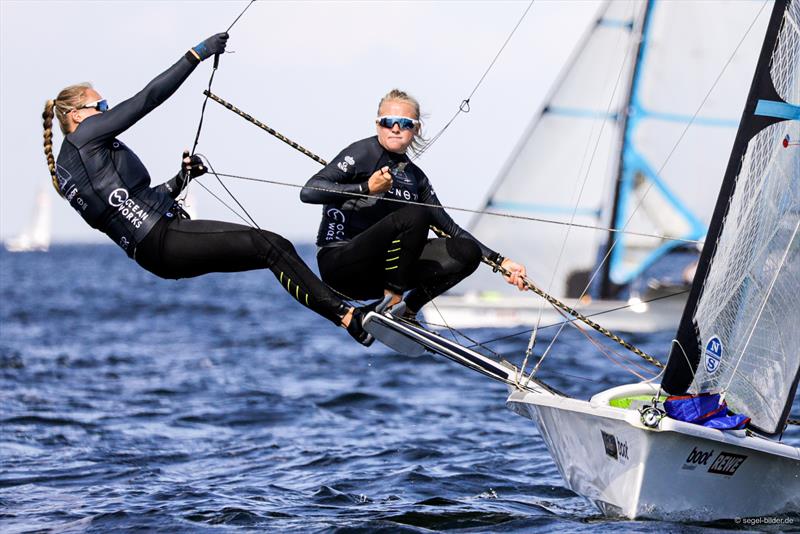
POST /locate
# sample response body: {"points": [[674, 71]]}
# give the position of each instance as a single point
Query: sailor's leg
{"points": [[381, 257], [188, 248], [442, 264]]}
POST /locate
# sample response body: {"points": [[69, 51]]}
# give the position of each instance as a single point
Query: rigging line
{"points": [[672, 151], [623, 64], [252, 223], [467, 210], [555, 302], [552, 325], [249, 118], [464, 106], [214, 68]]}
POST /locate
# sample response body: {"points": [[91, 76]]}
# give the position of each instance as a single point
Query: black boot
{"points": [[356, 327]]}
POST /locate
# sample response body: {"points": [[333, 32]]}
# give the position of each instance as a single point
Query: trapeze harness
{"points": [[108, 185], [368, 244]]}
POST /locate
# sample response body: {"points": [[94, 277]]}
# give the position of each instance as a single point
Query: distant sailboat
{"points": [[612, 118], [36, 237]]}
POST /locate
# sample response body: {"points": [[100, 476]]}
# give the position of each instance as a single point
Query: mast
{"points": [[608, 288], [764, 108]]}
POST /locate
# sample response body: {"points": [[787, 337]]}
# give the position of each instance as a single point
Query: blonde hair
{"points": [[68, 99], [396, 95]]}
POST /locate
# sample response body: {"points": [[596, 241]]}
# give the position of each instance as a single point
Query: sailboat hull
{"points": [[676, 471]]}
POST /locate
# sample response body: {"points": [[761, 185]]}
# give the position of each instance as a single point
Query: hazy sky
{"points": [[312, 70]]}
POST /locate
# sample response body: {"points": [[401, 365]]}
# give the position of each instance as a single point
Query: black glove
{"points": [[191, 167], [212, 46]]}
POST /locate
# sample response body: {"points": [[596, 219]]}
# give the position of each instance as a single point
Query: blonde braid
{"points": [[68, 99], [47, 118]]}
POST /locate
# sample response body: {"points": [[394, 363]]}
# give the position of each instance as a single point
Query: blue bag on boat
{"points": [[704, 409]]}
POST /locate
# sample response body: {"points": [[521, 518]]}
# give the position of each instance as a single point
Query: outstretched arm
{"points": [[121, 117]]}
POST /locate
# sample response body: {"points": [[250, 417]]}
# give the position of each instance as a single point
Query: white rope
{"points": [[466, 210]]}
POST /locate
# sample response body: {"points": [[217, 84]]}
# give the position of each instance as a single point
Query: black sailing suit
{"points": [[110, 187], [368, 244]]}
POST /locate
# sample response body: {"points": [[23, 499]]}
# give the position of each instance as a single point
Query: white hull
{"points": [[475, 311], [676, 471]]}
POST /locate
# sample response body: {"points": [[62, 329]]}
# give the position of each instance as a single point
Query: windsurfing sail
{"points": [[612, 120], [739, 331]]}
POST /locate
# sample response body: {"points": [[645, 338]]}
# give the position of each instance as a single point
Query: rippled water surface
{"points": [[133, 403]]}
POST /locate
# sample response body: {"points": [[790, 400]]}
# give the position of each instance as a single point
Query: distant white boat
{"points": [[36, 237]]}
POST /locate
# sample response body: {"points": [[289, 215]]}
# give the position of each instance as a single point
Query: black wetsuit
{"points": [[369, 244], [110, 187]]}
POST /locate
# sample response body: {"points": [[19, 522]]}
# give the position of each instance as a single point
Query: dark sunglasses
{"points": [[100, 105], [405, 123]]}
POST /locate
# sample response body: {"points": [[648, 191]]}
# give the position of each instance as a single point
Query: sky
{"points": [[313, 70]]}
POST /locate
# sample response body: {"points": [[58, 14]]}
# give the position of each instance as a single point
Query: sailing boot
{"points": [[356, 327], [400, 311]]}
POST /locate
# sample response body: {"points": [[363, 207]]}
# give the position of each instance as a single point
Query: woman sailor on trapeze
{"points": [[107, 184], [375, 248]]}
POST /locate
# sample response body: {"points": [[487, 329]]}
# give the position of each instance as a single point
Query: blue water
{"points": [[221, 404]]}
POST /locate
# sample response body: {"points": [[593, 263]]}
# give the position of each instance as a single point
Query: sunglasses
{"points": [[100, 105], [405, 123]]}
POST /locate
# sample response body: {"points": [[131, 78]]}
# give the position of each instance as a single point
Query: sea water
{"points": [[130, 403]]}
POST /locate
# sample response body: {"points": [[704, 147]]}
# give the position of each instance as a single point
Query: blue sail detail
{"points": [[633, 163], [779, 110]]}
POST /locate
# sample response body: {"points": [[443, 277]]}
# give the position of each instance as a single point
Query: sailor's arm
{"points": [[444, 222], [124, 115], [340, 180], [191, 167]]}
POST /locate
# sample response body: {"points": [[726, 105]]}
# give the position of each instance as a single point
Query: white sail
{"points": [[747, 314], [544, 174], [36, 237], [684, 48]]}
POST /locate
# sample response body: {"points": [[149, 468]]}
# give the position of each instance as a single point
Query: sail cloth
{"points": [[582, 134], [684, 46], [739, 334], [543, 175]]}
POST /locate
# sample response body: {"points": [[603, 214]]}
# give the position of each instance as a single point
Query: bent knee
{"points": [[464, 251], [267, 242]]}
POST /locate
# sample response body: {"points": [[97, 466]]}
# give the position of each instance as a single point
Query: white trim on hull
{"points": [[675, 471]]}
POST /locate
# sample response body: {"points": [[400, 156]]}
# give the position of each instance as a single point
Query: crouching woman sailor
{"points": [[376, 246], [110, 188]]}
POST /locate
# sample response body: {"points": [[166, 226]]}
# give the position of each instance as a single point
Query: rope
{"points": [[211, 81], [560, 305], [464, 106], [552, 300], [249, 118]]}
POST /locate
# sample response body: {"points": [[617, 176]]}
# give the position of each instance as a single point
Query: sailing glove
{"points": [[211, 46], [191, 167]]}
